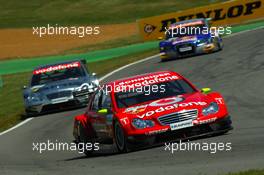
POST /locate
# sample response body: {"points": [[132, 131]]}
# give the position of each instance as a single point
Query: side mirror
{"points": [[206, 90], [93, 74], [160, 38], [102, 111]]}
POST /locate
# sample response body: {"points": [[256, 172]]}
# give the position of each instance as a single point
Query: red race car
{"points": [[150, 108]]}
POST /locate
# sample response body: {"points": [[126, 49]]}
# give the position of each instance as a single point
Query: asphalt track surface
{"points": [[237, 72]]}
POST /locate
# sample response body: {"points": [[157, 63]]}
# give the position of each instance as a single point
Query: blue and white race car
{"points": [[190, 37], [61, 85]]}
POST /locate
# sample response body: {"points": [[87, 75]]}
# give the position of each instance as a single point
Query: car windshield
{"points": [[165, 89], [185, 31], [57, 75]]}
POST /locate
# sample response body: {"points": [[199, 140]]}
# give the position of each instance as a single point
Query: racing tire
{"points": [[219, 46], [31, 114], [165, 60], [120, 138], [223, 126], [221, 133], [168, 59], [162, 60], [82, 138]]}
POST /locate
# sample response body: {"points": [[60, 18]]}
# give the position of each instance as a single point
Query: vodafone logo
{"points": [[169, 106], [166, 101], [57, 67]]}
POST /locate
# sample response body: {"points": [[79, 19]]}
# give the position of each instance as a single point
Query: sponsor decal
{"points": [[124, 121], [173, 26], [221, 14], [59, 100], [181, 125], [219, 101], [171, 107], [144, 81], [185, 49], [200, 122], [154, 132], [136, 109], [151, 79], [149, 28], [57, 67], [184, 39]]}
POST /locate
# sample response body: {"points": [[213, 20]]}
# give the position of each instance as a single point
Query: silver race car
{"points": [[60, 85]]}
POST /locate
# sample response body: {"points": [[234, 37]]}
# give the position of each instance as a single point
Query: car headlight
{"points": [[141, 124], [211, 109], [33, 97]]}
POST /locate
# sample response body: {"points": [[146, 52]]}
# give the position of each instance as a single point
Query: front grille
{"points": [[178, 117], [84, 92], [59, 95], [177, 47]]}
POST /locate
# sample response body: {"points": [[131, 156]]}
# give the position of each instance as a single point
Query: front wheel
{"points": [[29, 113], [220, 45], [82, 140], [120, 138]]}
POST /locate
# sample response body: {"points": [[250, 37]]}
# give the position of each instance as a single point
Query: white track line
{"points": [[244, 31], [101, 79], [117, 70], [16, 126]]}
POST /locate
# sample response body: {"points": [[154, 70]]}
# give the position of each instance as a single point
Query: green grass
{"points": [[11, 104], [249, 172], [120, 42], [17, 13]]}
